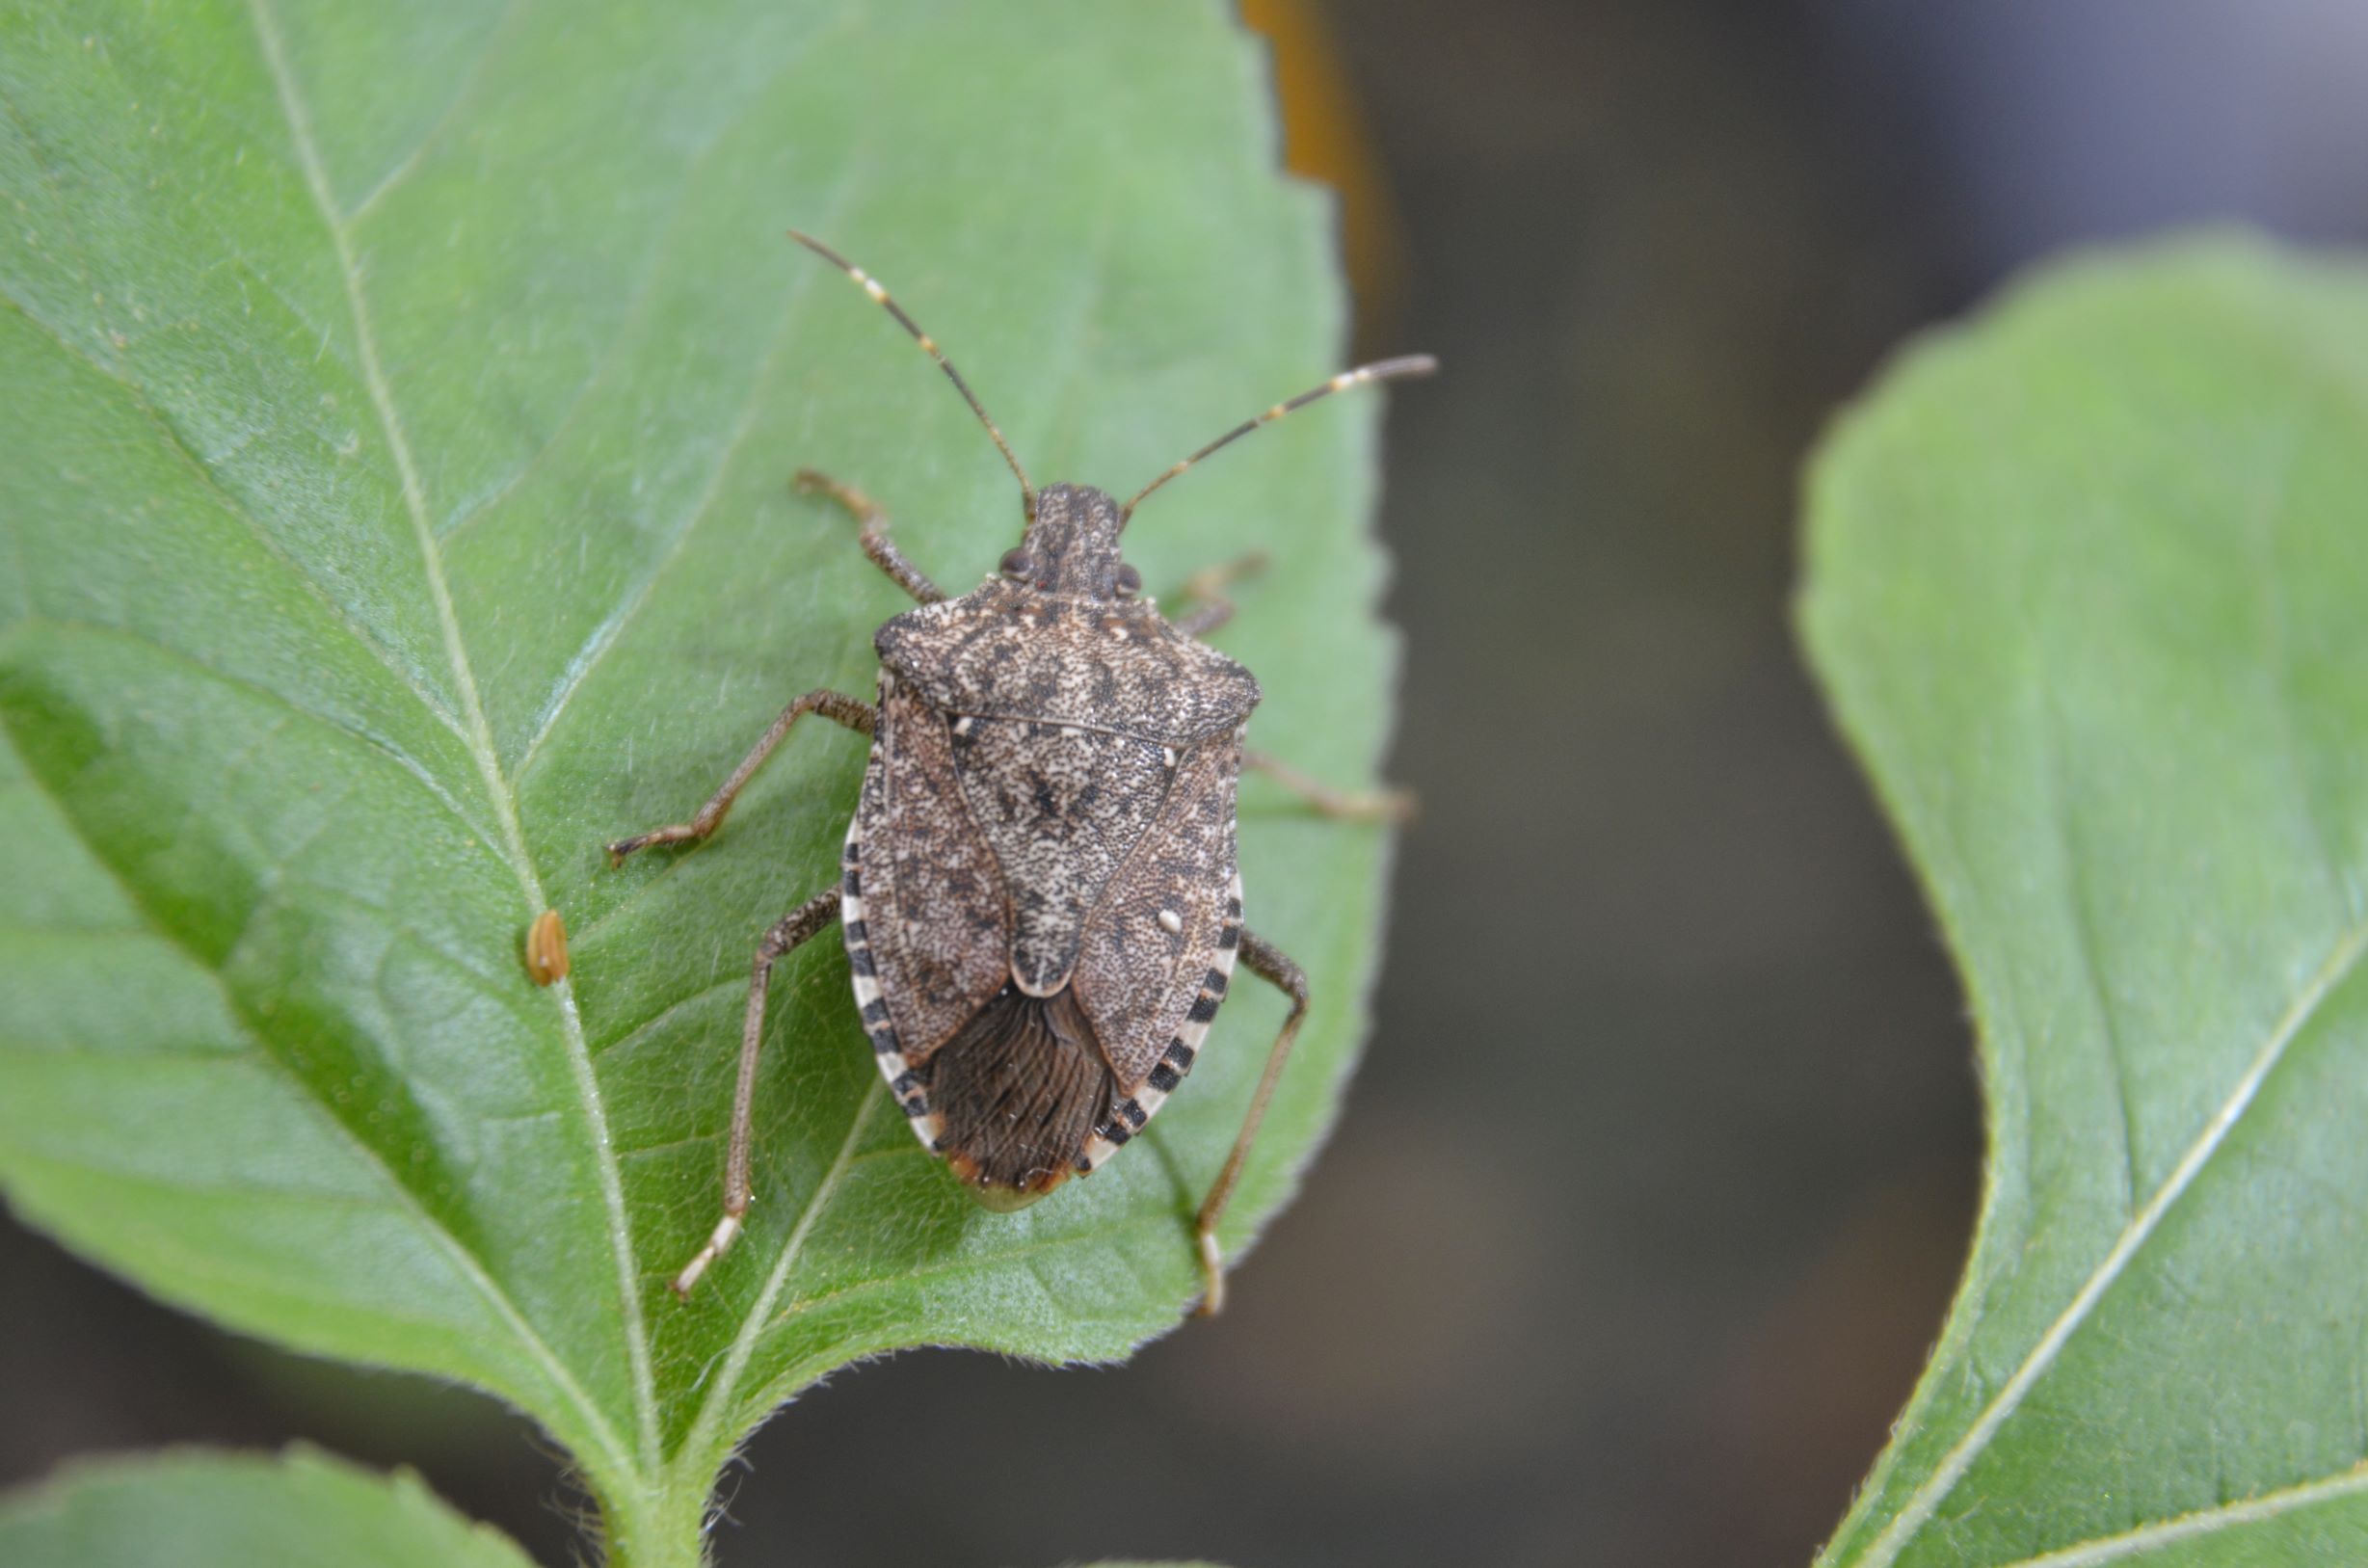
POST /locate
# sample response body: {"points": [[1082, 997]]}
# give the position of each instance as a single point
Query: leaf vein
{"points": [[2340, 962], [480, 735], [411, 766], [715, 1408], [2187, 1526], [612, 628], [406, 166], [2088, 950], [644, 295], [471, 1267], [178, 445]]}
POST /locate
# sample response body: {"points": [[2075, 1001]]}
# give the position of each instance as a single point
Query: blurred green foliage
{"points": [[2086, 584]]}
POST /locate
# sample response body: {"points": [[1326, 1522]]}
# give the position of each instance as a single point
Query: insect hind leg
{"points": [[1348, 805], [792, 931], [1275, 966]]}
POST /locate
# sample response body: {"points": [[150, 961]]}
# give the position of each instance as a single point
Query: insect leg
{"points": [[1348, 805], [788, 932], [1205, 591], [877, 544], [831, 704], [1275, 966]]}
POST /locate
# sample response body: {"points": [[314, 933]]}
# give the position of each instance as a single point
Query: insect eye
{"points": [[1017, 563], [1130, 582]]}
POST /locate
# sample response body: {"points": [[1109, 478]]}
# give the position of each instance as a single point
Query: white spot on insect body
{"points": [[962, 724], [1149, 1097], [1171, 922]]}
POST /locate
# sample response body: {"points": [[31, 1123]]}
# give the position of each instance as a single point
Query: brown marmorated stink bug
{"points": [[1039, 892]]}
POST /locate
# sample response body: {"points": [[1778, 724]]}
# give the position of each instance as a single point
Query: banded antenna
{"points": [[929, 345], [1413, 365]]}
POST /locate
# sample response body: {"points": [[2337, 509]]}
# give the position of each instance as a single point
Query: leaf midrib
{"points": [[478, 733], [471, 1265], [708, 1432]]}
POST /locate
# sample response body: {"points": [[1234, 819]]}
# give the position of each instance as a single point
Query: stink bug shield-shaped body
{"points": [[1039, 894]]}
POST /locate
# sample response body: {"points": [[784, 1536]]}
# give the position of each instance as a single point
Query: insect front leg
{"points": [[1348, 805], [1275, 966], [837, 706], [788, 934], [1205, 591], [876, 544]]}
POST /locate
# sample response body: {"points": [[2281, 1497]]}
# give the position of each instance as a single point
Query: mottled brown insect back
{"points": [[1039, 890], [1051, 798]]}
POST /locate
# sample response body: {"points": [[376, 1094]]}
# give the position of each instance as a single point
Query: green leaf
{"points": [[193, 1509], [401, 413], [2087, 584]]}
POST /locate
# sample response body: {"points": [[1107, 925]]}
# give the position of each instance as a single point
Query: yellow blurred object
{"points": [[546, 948], [1324, 138]]}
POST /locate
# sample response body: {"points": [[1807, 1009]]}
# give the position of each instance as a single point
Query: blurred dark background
{"points": [[1653, 1186]]}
